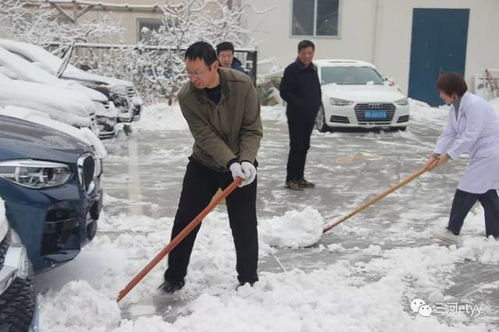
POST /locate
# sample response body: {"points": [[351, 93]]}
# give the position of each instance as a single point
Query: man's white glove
{"points": [[237, 172], [249, 171]]}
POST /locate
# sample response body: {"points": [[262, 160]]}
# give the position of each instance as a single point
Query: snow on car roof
{"points": [[342, 63], [27, 71], [52, 63], [61, 104]]}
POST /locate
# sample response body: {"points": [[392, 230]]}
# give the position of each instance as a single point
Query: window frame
{"points": [[142, 20], [314, 33]]}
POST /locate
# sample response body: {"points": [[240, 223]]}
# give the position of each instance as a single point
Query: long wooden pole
{"points": [[196, 221], [375, 199]]}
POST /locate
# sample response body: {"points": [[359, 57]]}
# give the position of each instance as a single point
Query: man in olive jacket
{"points": [[301, 89], [223, 113]]}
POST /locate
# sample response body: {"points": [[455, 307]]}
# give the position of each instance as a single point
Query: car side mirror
{"points": [[388, 80]]}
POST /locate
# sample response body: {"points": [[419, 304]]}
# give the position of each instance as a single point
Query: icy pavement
{"points": [[361, 276]]}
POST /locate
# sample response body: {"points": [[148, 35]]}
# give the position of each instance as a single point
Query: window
{"points": [[350, 75], [147, 26], [315, 17]]}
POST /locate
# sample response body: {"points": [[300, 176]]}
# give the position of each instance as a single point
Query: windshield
{"points": [[350, 75]]}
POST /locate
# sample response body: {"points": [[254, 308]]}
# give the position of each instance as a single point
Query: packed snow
{"points": [[361, 288]]}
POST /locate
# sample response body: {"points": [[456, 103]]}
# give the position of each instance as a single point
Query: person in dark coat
{"points": [[301, 89], [225, 54]]}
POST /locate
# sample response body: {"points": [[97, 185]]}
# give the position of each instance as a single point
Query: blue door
{"points": [[438, 45]]}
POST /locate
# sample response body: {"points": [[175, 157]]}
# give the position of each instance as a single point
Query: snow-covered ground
{"points": [[361, 276]]}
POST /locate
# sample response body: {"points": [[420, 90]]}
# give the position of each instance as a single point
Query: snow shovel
{"points": [[375, 199], [196, 221]]}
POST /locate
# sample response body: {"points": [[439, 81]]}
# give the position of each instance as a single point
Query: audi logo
{"points": [[375, 105]]}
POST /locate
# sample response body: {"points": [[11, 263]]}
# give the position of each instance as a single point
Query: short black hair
{"points": [[225, 46], [304, 44], [201, 50], [451, 83]]}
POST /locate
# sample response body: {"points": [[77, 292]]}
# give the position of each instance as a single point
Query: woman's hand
{"points": [[436, 160]]}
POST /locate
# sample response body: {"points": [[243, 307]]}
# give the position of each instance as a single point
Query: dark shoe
{"points": [[170, 287], [242, 283], [305, 184], [293, 185]]}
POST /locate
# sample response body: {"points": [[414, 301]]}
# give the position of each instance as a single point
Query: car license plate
{"points": [[375, 114]]}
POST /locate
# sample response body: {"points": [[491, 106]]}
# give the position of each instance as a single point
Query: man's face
{"points": [[200, 74], [225, 58], [306, 55]]}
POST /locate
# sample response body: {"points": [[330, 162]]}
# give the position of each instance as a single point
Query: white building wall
{"points": [[378, 31], [272, 31]]}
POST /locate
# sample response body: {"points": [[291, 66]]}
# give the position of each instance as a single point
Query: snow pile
{"points": [[274, 113], [294, 229], [162, 117], [89, 309], [347, 294], [422, 112]]}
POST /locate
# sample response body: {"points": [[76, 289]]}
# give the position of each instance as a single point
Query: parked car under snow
{"points": [[122, 93], [50, 182], [17, 68], [60, 104], [354, 94]]}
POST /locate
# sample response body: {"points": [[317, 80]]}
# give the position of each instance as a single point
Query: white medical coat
{"points": [[476, 131]]}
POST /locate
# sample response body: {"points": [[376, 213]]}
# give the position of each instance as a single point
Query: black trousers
{"points": [[299, 143], [462, 204], [199, 185]]}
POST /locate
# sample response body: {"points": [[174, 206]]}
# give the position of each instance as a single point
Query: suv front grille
{"points": [[130, 92], [86, 171]]}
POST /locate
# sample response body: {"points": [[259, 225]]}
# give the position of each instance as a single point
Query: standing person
{"points": [[473, 127], [301, 89], [223, 113], [225, 54]]}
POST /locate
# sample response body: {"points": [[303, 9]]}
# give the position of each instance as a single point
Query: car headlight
{"points": [[402, 101], [35, 174], [339, 102]]}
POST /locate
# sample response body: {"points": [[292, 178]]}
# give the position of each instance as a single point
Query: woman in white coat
{"points": [[472, 127]]}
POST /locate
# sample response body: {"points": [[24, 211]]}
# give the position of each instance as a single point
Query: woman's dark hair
{"points": [[304, 44], [201, 50], [225, 46], [450, 83]]}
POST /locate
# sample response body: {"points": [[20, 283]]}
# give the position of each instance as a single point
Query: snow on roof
{"points": [[342, 63], [111, 6]]}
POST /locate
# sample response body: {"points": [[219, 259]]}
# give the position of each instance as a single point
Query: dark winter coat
{"points": [[301, 89], [236, 64], [231, 129]]}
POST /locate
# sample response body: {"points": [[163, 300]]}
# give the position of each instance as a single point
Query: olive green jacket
{"points": [[230, 130]]}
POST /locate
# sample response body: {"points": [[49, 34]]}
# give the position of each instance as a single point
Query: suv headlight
{"points": [[339, 102], [35, 174], [402, 102]]}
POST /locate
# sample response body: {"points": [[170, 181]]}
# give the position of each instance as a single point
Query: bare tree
{"points": [[40, 24]]}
